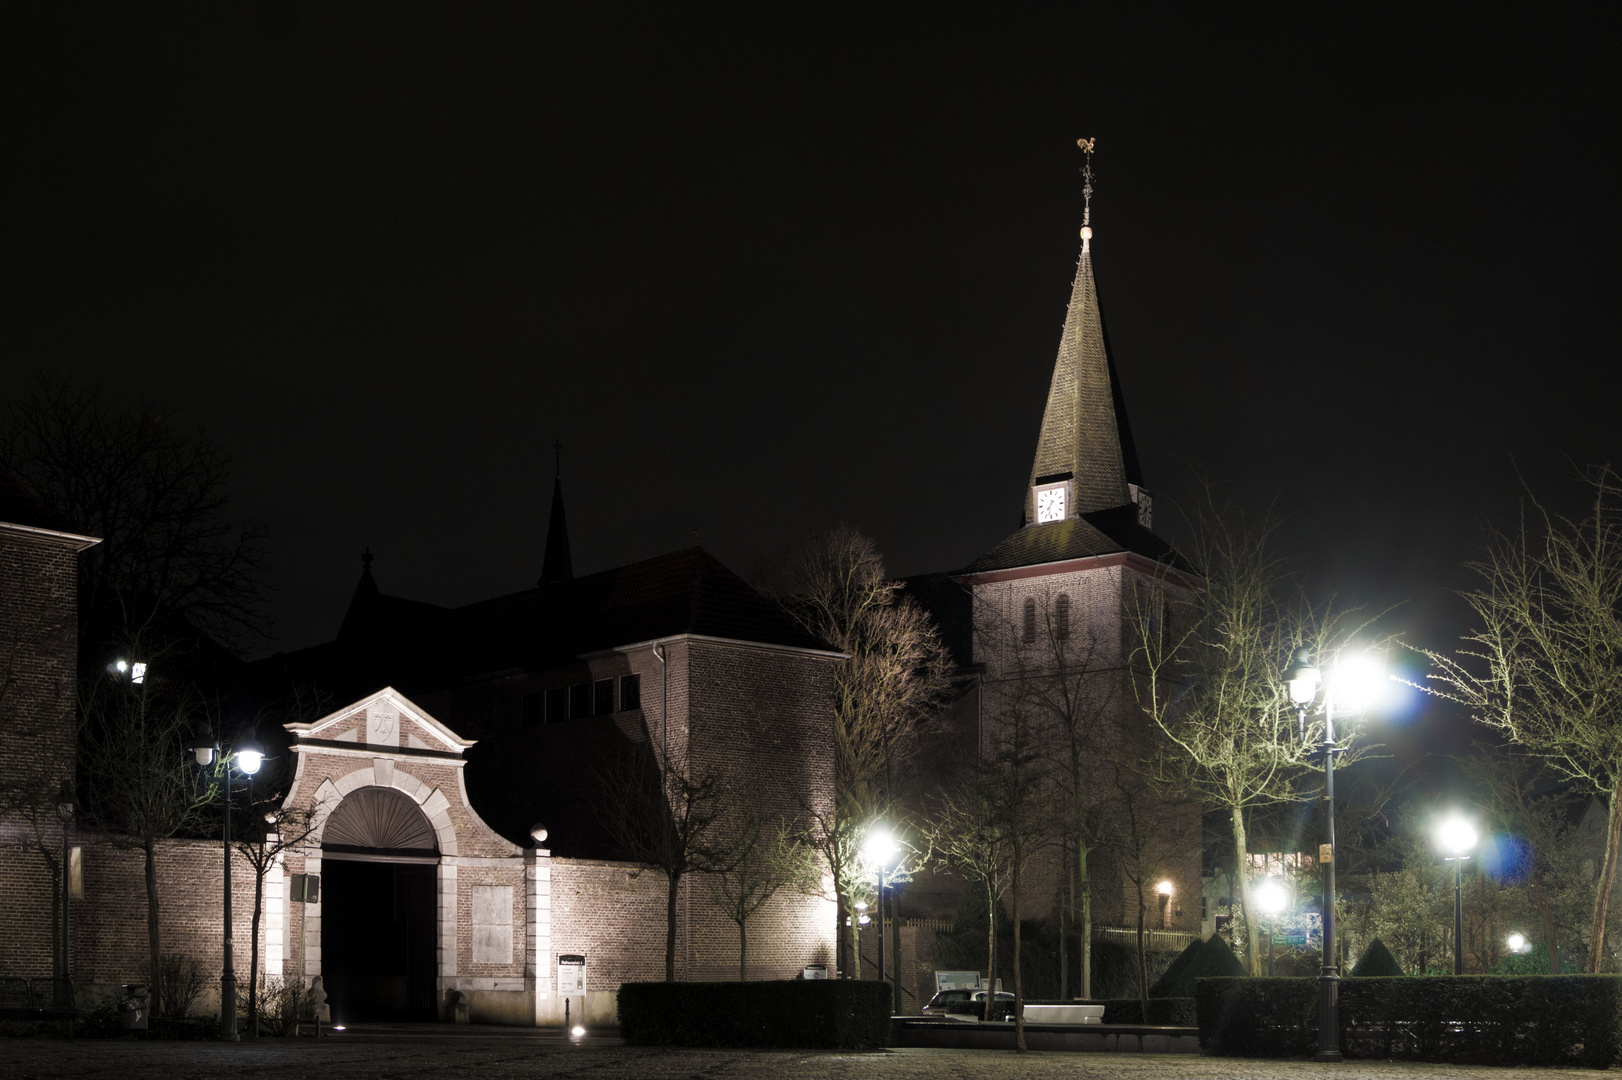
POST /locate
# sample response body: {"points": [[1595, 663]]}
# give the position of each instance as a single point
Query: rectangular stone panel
{"points": [[492, 924]]}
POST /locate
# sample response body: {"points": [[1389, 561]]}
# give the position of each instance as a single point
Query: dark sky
{"points": [[766, 269]]}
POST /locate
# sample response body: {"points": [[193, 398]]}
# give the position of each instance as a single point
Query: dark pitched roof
{"points": [[1102, 532], [419, 647]]}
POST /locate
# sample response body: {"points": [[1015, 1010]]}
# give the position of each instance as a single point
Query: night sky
{"points": [[763, 270]]}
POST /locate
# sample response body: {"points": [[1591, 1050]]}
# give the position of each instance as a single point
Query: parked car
{"points": [[969, 1005]]}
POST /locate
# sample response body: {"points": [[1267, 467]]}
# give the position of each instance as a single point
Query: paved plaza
{"points": [[447, 1053]]}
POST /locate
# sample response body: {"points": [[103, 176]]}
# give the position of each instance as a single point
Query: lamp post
{"points": [[1271, 898], [247, 756], [1349, 689], [1458, 836], [880, 848]]}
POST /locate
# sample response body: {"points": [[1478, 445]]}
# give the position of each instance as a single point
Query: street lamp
{"points": [[879, 849], [1271, 898], [1518, 944], [246, 756], [1351, 688], [1458, 836]]}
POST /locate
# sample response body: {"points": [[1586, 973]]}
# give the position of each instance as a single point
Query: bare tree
{"points": [[835, 840], [886, 692], [766, 859], [1544, 665], [157, 497], [139, 787], [666, 820], [1207, 669], [272, 830], [1153, 829], [964, 836]]}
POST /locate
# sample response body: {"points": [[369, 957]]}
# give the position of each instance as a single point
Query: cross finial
{"points": [[366, 558], [1087, 192], [557, 459]]}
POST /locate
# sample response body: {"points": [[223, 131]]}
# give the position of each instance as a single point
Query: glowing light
{"points": [[880, 847], [1456, 835], [338, 1027], [1164, 888], [1271, 896], [1517, 943], [137, 673], [1359, 682], [1303, 678], [123, 666], [577, 1031], [249, 759]]}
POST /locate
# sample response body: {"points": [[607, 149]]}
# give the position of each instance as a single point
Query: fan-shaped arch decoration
{"points": [[379, 819]]}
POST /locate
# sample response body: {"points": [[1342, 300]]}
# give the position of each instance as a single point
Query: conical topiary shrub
{"points": [[1184, 958], [1377, 961], [1215, 959]]}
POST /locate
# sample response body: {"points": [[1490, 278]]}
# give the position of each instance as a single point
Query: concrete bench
{"points": [[1064, 1014]]}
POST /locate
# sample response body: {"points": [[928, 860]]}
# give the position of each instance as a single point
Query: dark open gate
{"points": [[379, 922]]}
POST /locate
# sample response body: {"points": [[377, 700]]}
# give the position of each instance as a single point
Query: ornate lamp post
{"points": [[1348, 692], [1457, 836], [247, 756], [1271, 898], [880, 849]]}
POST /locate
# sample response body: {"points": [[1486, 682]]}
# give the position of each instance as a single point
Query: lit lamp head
{"points": [[1270, 896], [1456, 836], [1164, 888], [1517, 943], [1302, 677], [1358, 683], [249, 757], [880, 848]]}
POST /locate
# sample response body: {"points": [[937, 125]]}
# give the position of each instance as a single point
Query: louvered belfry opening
{"points": [[379, 930], [381, 821]]}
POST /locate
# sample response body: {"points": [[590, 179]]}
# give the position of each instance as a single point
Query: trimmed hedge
{"points": [[1214, 959], [1175, 971], [1173, 1012], [843, 1014], [1464, 1019]]}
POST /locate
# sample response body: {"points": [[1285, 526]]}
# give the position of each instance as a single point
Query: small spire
{"points": [[366, 559], [557, 459], [1087, 193], [556, 564]]}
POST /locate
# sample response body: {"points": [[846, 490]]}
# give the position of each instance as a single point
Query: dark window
{"points": [[533, 714], [579, 700], [603, 691], [1061, 615], [630, 691], [1030, 620], [557, 704]]}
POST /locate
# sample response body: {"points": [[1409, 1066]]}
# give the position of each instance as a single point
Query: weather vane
{"points": [[1087, 192], [557, 458]]}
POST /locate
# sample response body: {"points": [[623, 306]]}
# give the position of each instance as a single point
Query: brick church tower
{"points": [[1043, 626]]}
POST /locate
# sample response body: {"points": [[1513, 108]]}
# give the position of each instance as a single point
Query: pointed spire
{"points": [[1080, 448], [556, 565], [357, 617]]}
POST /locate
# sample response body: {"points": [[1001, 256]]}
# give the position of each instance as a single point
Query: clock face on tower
{"points": [[1050, 504]]}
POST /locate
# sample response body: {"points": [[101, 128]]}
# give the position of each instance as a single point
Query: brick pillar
{"points": [[538, 931]]}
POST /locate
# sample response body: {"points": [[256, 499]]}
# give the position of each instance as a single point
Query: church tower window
{"points": [[1061, 616], [1029, 636]]}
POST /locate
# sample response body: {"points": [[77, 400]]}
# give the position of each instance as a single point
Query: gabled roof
{"points": [[23, 510], [1102, 532], [448, 740]]}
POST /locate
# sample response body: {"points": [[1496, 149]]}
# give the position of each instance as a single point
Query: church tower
{"points": [[556, 565]]}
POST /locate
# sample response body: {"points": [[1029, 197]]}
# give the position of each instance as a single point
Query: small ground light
{"points": [[577, 1031], [338, 1027]]}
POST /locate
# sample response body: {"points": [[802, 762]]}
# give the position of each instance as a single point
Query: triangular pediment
{"points": [[384, 721]]}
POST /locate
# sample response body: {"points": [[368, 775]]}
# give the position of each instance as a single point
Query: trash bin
{"points": [[134, 1007]]}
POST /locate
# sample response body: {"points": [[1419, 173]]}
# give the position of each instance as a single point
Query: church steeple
{"points": [[556, 566], [1085, 460]]}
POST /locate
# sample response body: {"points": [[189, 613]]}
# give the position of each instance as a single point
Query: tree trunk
{"points": [[670, 926], [1241, 871], [991, 951], [1086, 923], [1019, 996], [1143, 958], [895, 948], [743, 952], [157, 989], [843, 947], [1541, 900], [253, 942], [1066, 897], [1607, 881]]}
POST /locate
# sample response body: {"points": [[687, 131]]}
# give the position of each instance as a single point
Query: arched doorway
{"points": [[379, 925]]}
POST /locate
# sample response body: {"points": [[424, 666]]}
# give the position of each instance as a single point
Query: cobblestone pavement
{"points": [[460, 1053]]}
